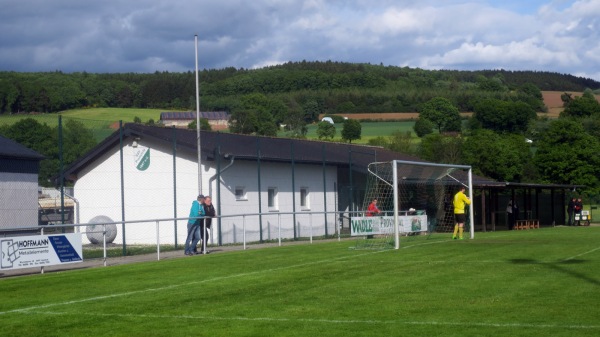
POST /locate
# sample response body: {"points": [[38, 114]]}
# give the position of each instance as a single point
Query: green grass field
{"points": [[369, 130], [107, 118], [524, 283]]}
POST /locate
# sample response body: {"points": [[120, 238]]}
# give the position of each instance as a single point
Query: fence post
{"points": [[42, 267], [157, 242], [244, 230], [104, 242], [311, 226], [338, 221], [279, 225]]}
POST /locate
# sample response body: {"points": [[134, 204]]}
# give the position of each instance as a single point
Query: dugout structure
{"points": [[416, 197]]}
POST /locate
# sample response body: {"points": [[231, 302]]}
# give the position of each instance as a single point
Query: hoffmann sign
{"points": [[40, 250]]}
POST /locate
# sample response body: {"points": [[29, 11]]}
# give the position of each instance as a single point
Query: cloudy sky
{"points": [[149, 35]]}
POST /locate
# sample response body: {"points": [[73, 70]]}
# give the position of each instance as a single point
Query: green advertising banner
{"points": [[372, 225]]}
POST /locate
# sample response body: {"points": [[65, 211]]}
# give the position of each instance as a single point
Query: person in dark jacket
{"points": [[577, 210], [571, 211], [209, 212]]}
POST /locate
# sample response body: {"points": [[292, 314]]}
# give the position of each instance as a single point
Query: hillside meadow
{"points": [[373, 125]]}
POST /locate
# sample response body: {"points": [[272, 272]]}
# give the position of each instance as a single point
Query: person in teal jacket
{"points": [[193, 226]]}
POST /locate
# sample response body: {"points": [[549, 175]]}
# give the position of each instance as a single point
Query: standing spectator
{"points": [[373, 209], [193, 226], [209, 212], [515, 210], [577, 209], [460, 202], [509, 214], [571, 211]]}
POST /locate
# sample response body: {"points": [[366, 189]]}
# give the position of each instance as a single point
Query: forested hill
{"points": [[330, 87]]}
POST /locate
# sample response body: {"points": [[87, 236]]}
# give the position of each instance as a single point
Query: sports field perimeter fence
{"points": [[100, 240]]}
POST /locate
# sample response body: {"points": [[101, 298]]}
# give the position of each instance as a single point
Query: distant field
{"points": [[369, 130], [541, 282], [108, 115], [101, 121], [107, 119]]}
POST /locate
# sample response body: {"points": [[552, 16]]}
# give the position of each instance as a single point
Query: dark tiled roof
{"points": [[11, 149], [191, 115], [249, 147]]}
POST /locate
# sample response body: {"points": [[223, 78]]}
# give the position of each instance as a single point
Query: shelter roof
{"points": [[273, 149], [191, 115], [11, 149]]}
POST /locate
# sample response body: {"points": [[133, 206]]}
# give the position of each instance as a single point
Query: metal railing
{"points": [[341, 221]]}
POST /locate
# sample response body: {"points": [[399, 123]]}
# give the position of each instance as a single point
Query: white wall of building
{"points": [[276, 176], [149, 194]]}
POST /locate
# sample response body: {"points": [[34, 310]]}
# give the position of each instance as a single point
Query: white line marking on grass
{"points": [[448, 240], [333, 321], [173, 286], [578, 255]]}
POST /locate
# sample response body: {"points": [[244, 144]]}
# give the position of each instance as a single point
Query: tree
{"points": [[441, 149], [243, 121], [503, 116], [40, 138], [423, 127], [295, 123], [441, 112], [311, 111], [351, 130], [265, 125], [501, 157], [531, 90], [325, 130], [254, 116], [495, 83], [583, 106], [566, 154], [400, 141], [77, 140], [204, 125]]}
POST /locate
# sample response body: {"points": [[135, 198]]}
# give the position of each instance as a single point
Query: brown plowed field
{"points": [[551, 100]]}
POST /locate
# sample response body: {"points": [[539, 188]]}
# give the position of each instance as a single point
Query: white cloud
{"points": [[120, 35]]}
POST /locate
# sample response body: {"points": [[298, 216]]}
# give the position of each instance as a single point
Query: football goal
{"points": [[405, 198]]}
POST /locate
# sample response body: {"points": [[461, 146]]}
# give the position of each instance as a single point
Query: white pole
{"points": [[157, 241], [396, 229], [104, 243], [310, 220], [471, 214], [198, 120], [279, 227], [244, 229]]}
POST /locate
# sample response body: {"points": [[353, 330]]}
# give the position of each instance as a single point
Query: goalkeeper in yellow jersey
{"points": [[460, 202]]}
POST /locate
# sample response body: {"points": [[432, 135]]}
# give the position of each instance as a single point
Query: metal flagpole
{"points": [[198, 120]]}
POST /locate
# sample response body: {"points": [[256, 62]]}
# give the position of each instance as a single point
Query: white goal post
{"points": [[419, 191]]}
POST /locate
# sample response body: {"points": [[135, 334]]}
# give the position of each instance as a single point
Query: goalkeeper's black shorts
{"points": [[460, 218]]}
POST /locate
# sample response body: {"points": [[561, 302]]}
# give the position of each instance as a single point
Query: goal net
{"points": [[405, 198]]}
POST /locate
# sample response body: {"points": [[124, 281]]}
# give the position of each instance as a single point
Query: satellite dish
{"points": [[99, 224]]}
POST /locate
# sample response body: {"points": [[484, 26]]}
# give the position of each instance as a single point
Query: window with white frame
{"points": [[304, 199], [273, 202], [240, 193]]}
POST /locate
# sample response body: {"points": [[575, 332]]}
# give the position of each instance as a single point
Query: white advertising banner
{"points": [[40, 250], [371, 225]]}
